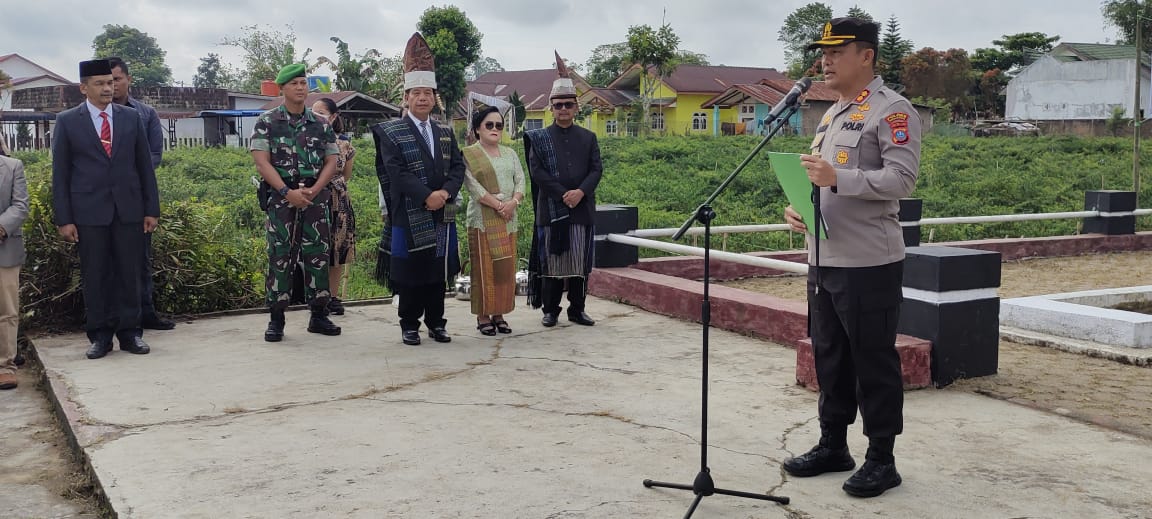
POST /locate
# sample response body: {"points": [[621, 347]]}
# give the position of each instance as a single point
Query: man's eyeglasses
{"points": [[493, 125], [568, 105]]}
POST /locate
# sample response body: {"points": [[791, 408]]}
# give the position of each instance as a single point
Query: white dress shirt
{"points": [[97, 121], [430, 137]]}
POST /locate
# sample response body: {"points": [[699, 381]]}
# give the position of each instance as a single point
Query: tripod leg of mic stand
{"points": [[764, 497], [692, 509], [660, 484]]}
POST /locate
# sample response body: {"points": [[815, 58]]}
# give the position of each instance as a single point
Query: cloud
{"points": [[520, 34]]}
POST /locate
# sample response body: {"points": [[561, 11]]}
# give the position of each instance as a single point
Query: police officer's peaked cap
{"points": [[842, 31], [290, 72]]}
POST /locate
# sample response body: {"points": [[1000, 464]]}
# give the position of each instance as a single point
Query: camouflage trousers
{"points": [[298, 237]]}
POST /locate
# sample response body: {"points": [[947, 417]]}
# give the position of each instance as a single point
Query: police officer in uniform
{"points": [[295, 152], [865, 157]]}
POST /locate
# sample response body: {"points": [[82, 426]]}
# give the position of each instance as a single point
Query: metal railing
{"points": [[642, 237], [756, 261], [1002, 218]]}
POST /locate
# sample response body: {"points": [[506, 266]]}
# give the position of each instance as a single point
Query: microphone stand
{"points": [[703, 485]]}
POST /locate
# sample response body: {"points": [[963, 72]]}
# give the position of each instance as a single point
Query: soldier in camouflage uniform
{"points": [[295, 152]]}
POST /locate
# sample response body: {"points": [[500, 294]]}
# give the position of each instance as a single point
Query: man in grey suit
{"points": [[121, 86], [105, 200], [13, 211]]}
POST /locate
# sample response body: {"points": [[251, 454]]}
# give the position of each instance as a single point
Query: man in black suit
{"points": [[105, 200]]}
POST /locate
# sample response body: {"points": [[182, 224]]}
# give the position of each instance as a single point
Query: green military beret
{"points": [[290, 72]]}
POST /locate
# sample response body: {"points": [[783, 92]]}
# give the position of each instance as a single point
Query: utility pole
{"points": [[1137, 117]]}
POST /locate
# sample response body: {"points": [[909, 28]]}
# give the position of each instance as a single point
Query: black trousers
{"points": [[554, 290], [426, 301], [852, 322], [147, 286], [110, 275]]}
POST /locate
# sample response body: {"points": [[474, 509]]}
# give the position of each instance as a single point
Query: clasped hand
{"points": [[300, 198], [572, 198], [436, 200]]}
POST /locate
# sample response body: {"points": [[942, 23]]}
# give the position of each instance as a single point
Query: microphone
{"points": [[790, 99]]}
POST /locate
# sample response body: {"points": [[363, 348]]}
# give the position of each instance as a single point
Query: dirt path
{"points": [[1094, 390]]}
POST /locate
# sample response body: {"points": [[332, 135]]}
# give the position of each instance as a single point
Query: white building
{"points": [[25, 74], [1078, 82]]}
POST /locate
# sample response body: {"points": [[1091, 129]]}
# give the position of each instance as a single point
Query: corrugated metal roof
{"points": [[1096, 51]]}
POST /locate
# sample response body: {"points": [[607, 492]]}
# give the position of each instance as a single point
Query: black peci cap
{"points": [[96, 67], [842, 31]]}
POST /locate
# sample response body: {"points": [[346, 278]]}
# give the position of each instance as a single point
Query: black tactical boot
{"points": [[830, 455], [335, 306], [319, 323], [275, 331], [872, 479]]}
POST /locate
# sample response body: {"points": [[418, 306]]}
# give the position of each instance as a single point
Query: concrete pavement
{"points": [[544, 423]]}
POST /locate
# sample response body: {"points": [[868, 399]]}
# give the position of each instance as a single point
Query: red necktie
{"points": [[106, 134]]}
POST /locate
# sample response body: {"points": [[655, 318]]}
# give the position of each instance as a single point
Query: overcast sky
{"points": [[520, 34]]}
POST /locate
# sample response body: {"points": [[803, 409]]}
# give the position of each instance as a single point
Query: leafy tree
{"points": [[607, 62], [942, 75], [992, 59], [482, 66], [989, 85], [687, 57], [140, 51], [655, 51], [214, 73], [610, 60], [857, 12], [1014, 51], [802, 27], [455, 44], [353, 74], [266, 51], [1116, 121], [387, 83], [1122, 14], [893, 49]]}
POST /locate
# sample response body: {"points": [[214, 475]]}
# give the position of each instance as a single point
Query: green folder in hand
{"points": [[794, 180]]}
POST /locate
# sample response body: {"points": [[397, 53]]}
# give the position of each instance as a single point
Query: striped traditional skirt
{"points": [[493, 264], [574, 262]]}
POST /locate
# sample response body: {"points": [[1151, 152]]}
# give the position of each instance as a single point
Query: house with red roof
{"points": [[753, 102], [676, 109]]}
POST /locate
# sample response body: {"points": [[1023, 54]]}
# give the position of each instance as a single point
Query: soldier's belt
{"points": [[297, 183]]}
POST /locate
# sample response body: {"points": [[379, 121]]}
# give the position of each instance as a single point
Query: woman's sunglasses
{"points": [[492, 125]]}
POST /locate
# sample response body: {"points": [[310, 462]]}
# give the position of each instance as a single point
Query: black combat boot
{"points": [[275, 331], [319, 323], [878, 473], [830, 455], [335, 306]]}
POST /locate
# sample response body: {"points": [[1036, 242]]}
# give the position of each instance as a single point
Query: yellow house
{"points": [[677, 107], [532, 87]]}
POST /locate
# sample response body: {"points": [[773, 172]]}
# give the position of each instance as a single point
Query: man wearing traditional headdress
{"points": [[564, 162], [295, 152], [420, 170]]}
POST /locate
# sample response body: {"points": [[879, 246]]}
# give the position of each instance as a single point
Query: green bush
{"points": [[209, 250], [203, 260]]}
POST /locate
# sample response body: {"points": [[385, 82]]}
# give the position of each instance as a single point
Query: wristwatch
{"points": [[283, 191]]}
